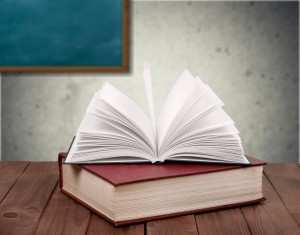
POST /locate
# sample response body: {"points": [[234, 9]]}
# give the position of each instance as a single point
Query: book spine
{"points": [[61, 158]]}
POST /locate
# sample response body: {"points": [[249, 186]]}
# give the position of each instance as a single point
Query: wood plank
{"points": [[285, 178], [63, 216], [221, 222], [100, 226], [172, 226], [271, 216], [9, 173], [21, 208]]}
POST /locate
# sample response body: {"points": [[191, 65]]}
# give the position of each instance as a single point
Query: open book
{"points": [[192, 126]]}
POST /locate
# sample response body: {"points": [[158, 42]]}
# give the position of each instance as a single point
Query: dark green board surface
{"points": [[61, 33]]}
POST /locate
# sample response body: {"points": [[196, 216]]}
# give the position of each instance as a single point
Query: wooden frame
{"points": [[84, 68]]}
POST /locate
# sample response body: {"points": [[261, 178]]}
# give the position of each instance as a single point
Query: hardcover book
{"points": [[192, 127], [128, 193]]}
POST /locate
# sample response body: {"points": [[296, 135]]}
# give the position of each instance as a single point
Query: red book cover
{"points": [[132, 173]]}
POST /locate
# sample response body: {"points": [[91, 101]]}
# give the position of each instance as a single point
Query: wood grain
{"points": [[285, 178], [21, 208], [100, 226], [222, 222], [9, 173], [63, 216], [271, 216], [173, 226]]}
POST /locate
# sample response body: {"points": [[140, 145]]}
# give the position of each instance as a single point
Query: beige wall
{"points": [[247, 52]]}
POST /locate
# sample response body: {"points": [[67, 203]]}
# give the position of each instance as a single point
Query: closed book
{"points": [[126, 194]]}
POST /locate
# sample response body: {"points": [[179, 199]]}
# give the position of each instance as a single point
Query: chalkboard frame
{"points": [[125, 55]]}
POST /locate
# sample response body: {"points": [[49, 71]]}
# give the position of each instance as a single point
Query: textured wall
{"points": [[247, 52]]}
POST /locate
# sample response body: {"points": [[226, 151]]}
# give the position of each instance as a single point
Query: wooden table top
{"points": [[31, 203]]}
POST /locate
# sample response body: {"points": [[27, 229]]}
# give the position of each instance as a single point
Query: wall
{"points": [[246, 52]]}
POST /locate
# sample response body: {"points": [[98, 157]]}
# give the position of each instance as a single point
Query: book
{"points": [[127, 193], [192, 126]]}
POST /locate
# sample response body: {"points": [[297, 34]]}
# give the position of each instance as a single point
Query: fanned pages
{"points": [[192, 127]]}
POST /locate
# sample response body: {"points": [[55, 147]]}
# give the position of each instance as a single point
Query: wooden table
{"points": [[31, 203]]}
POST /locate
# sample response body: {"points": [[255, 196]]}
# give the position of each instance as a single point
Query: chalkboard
{"points": [[64, 35]]}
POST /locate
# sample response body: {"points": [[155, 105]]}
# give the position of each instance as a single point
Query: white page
{"points": [[149, 93], [97, 157], [213, 120], [194, 96], [93, 125], [199, 139], [177, 97], [114, 118], [102, 139], [183, 146], [106, 145], [122, 159], [129, 109], [107, 123], [198, 106], [102, 108], [221, 154]]}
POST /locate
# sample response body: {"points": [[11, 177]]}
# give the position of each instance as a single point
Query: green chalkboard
{"points": [[64, 35]]}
